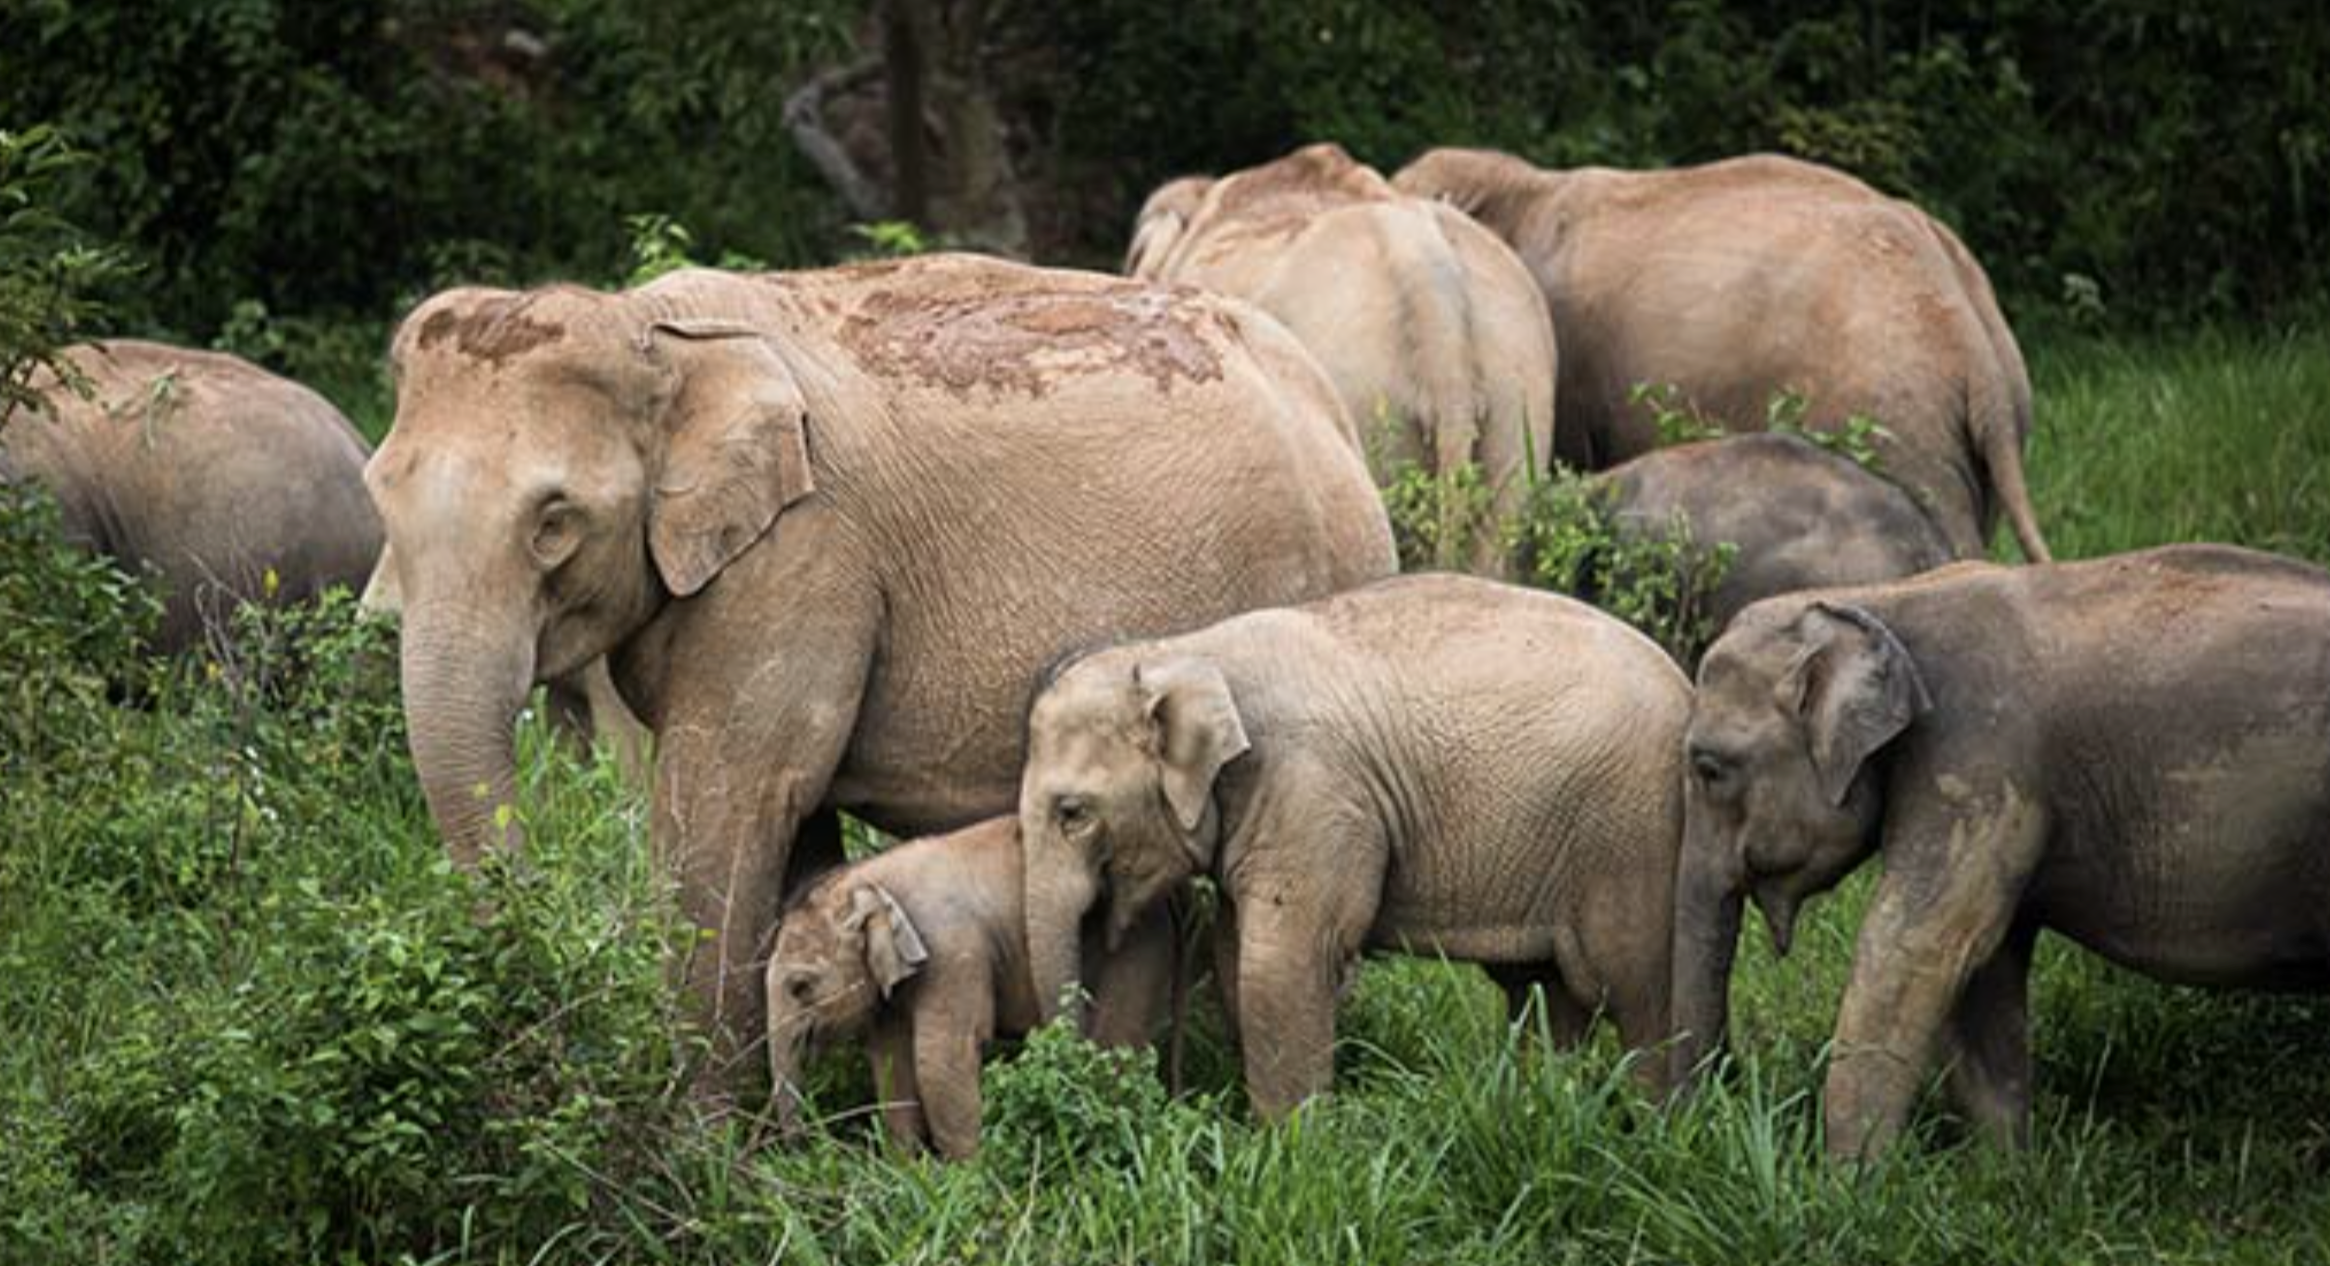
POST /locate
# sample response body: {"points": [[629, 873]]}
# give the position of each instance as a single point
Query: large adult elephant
{"points": [[1429, 327], [829, 527], [1737, 280], [205, 468]]}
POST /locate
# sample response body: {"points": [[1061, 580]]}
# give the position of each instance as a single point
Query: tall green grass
{"points": [[251, 1015]]}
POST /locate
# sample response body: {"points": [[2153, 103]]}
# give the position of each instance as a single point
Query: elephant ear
{"points": [[1164, 219], [1194, 722], [736, 453], [894, 949], [1856, 688]]}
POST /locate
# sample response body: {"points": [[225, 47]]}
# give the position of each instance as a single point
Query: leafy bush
{"points": [[1065, 1102], [1567, 538], [47, 269], [265, 1018]]}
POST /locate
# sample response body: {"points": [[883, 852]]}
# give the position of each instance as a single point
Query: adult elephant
{"points": [[1737, 280], [2132, 752], [1429, 327], [205, 468], [828, 527]]}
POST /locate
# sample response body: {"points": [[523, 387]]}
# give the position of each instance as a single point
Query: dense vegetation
{"points": [[2151, 157], [252, 1014]]}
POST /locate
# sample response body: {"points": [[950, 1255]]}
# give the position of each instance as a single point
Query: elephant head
{"points": [[1164, 220], [1781, 800], [563, 462], [1117, 801], [1489, 186], [840, 953]]}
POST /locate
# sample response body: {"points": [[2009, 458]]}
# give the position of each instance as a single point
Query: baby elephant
{"points": [[921, 950], [2133, 752], [1801, 516], [1436, 764]]}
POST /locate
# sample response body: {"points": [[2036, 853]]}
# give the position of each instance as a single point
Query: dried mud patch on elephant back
{"points": [[493, 332], [1024, 342]]}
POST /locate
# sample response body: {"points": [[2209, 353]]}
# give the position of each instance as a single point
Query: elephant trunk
{"points": [[788, 1049], [462, 693], [1058, 898], [1708, 903]]}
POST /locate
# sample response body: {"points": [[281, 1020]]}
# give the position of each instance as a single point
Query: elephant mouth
{"points": [[1779, 908]]}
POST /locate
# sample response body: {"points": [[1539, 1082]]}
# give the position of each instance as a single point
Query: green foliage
{"points": [[48, 270], [336, 158], [1854, 438], [1569, 538], [1064, 1102], [262, 1019], [1437, 518], [1676, 419], [890, 239]]}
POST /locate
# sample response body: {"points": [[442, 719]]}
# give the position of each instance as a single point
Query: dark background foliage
{"points": [[2166, 159]]}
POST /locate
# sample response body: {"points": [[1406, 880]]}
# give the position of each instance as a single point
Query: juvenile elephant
{"points": [[1435, 764], [1736, 280], [206, 468], [1800, 516], [922, 950], [1420, 317], [828, 527], [2133, 752]]}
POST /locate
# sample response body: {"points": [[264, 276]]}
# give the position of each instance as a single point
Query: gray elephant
{"points": [[828, 527], [1800, 516], [2132, 752], [205, 468], [1436, 764], [1738, 280], [1423, 320], [922, 951]]}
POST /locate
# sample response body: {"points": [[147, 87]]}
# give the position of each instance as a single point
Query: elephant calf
{"points": [[922, 949], [1800, 516], [2133, 752], [1436, 763]]}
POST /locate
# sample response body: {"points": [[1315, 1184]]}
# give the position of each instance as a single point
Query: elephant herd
{"points": [[1085, 581]]}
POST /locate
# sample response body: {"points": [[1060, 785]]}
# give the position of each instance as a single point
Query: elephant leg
{"points": [[946, 1062], [897, 1089], [1225, 948], [1286, 1008], [742, 765], [1943, 908], [1990, 1033]]}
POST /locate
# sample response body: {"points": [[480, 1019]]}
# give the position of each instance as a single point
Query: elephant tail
{"points": [[1441, 345], [1999, 427]]}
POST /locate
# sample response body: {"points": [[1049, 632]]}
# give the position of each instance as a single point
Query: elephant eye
{"points": [[557, 531], [1072, 813], [799, 987], [1711, 768]]}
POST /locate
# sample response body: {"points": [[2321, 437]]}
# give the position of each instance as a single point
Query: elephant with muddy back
{"points": [[1428, 325], [1740, 280], [205, 468], [1436, 764], [2132, 752], [827, 527]]}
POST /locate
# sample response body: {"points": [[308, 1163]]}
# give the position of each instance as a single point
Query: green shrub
{"points": [[1065, 1102], [48, 270]]}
